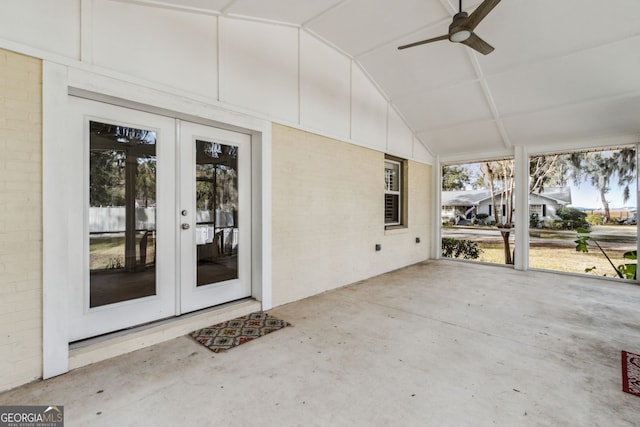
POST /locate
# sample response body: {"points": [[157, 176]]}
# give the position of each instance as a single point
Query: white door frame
{"points": [[60, 81]]}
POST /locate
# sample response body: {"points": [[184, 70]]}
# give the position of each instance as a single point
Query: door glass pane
{"points": [[216, 212], [122, 218]]}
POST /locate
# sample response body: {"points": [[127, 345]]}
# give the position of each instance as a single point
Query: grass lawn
{"points": [[106, 251], [560, 259], [555, 249]]}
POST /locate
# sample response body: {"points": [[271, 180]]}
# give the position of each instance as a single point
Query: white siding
{"points": [[52, 26], [325, 88], [368, 112], [135, 40], [259, 67], [400, 139]]}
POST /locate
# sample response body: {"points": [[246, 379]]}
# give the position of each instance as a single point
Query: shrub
{"points": [[454, 248], [571, 214], [534, 219], [482, 218], [572, 218], [594, 219]]}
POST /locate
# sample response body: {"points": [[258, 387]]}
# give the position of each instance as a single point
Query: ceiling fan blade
{"points": [[475, 42], [479, 14], [435, 39]]}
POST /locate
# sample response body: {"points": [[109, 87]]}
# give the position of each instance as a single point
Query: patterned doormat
{"points": [[631, 373], [229, 334]]}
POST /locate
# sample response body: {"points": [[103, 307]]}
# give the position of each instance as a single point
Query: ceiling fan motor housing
{"points": [[457, 32]]}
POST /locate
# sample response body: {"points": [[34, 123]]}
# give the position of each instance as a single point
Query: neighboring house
{"points": [[463, 206], [547, 202]]}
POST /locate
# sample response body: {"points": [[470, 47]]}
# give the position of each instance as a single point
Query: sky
{"points": [[587, 196]]}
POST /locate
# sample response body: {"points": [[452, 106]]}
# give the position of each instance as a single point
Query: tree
{"points": [[601, 167], [500, 177], [146, 180], [455, 178], [217, 177], [114, 150], [106, 183], [549, 170]]}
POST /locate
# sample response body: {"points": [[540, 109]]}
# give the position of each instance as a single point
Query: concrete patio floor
{"points": [[441, 343]]}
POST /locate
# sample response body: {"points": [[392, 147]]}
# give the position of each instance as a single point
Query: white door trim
{"points": [[58, 82]]}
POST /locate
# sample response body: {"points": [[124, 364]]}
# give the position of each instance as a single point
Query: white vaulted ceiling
{"points": [[562, 71]]}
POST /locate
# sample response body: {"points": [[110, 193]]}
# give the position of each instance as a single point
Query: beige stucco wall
{"points": [[20, 219], [328, 215]]}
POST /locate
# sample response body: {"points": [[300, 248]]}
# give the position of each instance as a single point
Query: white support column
{"points": [[521, 258], [637, 201], [55, 223], [436, 210]]}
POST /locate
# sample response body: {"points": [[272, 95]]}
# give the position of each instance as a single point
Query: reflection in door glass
{"points": [[122, 219], [216, 212]]}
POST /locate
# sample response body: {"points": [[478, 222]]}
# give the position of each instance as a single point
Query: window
{"points": [[540, 210], [502, 207], [392, 192]]}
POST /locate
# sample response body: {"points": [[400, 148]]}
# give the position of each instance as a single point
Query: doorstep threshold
{"points": [[86, 352]]}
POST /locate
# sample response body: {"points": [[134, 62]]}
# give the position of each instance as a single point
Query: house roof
{"points": [[464, 198], [560, 195], [562, 73]]}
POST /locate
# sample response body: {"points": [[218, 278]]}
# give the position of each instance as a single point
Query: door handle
{"points": [[185, 226]]}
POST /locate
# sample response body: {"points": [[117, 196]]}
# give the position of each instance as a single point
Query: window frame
{"points": [[401, 192]]}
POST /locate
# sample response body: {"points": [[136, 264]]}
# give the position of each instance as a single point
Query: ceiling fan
{"points": [[461, 29]]}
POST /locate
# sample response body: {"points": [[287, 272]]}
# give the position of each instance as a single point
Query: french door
{"points": [[161, 217], [215, 216]]}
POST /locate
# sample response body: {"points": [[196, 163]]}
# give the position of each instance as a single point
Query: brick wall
{"points": [[328, 215], [20, 219]]}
